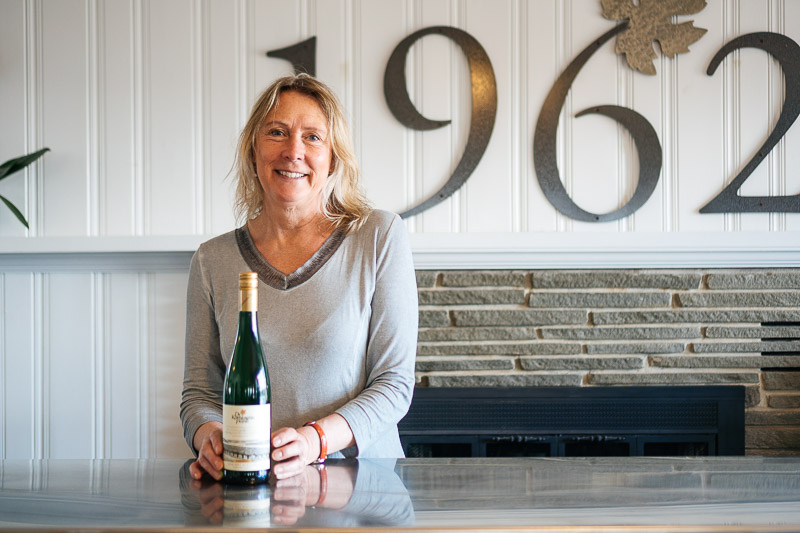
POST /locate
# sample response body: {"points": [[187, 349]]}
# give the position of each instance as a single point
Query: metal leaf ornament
{"points": [[651, 21]]}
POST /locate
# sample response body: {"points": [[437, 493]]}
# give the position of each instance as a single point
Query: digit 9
{"points": [[484, 105]]}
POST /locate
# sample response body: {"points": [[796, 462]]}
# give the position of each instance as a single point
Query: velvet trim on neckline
{"points": [[274, 277]]}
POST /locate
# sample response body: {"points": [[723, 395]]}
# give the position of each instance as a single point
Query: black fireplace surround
{"points": [[575, 421]]}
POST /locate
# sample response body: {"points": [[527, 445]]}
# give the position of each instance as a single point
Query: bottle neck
{"points": [[248, 306], [248, 300], [248, 322]]}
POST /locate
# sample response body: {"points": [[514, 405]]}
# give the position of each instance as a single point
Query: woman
{"points": [[337, 293]]}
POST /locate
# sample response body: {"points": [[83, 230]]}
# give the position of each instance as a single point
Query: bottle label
{"points": [[245, 437], [246, 506]]}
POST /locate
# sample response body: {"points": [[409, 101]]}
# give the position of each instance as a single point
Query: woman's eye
{"points": [[275, 132], [314, 137]]}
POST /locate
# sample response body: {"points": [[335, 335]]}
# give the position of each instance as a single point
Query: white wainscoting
{"points": [[92, 364], [140, 102]]}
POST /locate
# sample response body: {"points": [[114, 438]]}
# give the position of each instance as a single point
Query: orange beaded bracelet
{"points": [[323, 441], [323, 484]]}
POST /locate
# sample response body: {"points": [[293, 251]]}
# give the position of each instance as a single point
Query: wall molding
{"points": [[439, 251], [606, 250]]}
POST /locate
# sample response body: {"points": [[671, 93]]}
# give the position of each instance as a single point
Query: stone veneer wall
{"points": [[621, 327]]}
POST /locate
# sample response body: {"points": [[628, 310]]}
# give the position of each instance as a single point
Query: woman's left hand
{"points": [[291, 496], [292, 450]]}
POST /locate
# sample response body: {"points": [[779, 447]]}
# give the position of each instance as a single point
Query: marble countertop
{"points": [[502, 494]]}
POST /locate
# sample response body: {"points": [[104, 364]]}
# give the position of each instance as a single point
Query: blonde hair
{"points": [[343, 202]]}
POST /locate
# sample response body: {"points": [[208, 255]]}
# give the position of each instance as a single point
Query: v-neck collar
{"points": [[274, 277]]}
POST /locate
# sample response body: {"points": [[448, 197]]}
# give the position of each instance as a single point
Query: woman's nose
{"points": [[294, 150]]}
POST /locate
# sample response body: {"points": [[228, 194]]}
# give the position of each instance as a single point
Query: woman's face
{"points": [[293, 153]]}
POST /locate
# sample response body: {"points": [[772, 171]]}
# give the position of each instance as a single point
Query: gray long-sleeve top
{"points": [[339, 334]]}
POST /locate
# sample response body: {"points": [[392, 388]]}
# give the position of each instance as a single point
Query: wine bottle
{"points": [[246, 506], [246, 397]]}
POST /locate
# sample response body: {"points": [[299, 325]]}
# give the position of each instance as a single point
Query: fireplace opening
{"points": [[509, 448], [677, 448], [591, 447], [575, 422]]}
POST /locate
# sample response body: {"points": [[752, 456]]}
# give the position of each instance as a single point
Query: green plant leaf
{"points": [[15, 211], [14, 165]]}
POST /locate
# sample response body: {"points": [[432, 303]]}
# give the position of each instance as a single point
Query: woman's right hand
{"points": [[208, 443]]}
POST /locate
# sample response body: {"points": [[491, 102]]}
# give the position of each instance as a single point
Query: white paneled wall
{"points": [[140, 102], [91, 364]]}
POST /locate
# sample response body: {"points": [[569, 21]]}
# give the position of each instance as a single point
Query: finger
{"points": [[280, 454], [208, 451], [196, 471], [283, 436], [216, 442], [288, 468], [281, 516], [201, 466], [285, 516], [210, 460], [212, 508], [215, 489], [289, 509], [290, 494], [294, 448], [210, 467], [294, 481], [209, 493], [216, 505]]}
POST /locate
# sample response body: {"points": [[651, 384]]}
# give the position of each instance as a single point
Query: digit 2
{"points": [[787, 53]]}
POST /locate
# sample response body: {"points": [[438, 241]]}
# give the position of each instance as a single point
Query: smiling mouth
{"points": [[287, 174]]}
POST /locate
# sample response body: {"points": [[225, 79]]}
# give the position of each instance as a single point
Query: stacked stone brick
{"points": [[621, 327]]}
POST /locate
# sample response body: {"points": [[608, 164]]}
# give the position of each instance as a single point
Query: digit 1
{"points": [[302, 56]]}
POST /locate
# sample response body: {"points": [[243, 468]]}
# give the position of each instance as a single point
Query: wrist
{"points": [[322, 451], [312, 442]]}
